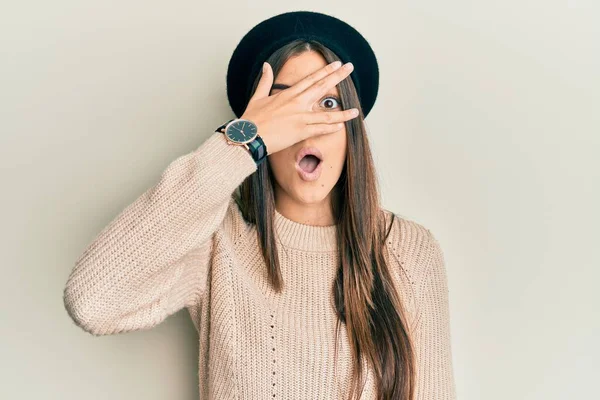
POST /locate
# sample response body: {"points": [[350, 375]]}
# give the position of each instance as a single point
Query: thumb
{"points": [[266, 81]]}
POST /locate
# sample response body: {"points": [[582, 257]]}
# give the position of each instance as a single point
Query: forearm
{"points": [[150, 261]]}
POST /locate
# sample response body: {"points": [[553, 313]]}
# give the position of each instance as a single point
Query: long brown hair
{"points": [[365, 298]]}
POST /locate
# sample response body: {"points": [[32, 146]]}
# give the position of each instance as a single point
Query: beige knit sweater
{"points": [[183, 243]]}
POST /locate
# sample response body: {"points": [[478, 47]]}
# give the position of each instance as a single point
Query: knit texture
{"points": [[184, 244]]}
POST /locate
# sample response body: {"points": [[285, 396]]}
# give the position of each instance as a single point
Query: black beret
{"points": [[266, 37]]}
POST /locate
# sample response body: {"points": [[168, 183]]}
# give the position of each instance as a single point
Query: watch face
{"points": [[241, 131]]}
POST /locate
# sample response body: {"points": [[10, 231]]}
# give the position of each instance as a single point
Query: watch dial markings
{"points": [[240, 133]]}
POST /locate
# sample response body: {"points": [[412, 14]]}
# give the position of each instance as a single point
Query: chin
{"points": [[311, 194]]}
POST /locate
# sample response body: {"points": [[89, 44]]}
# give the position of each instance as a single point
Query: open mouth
{"points": [[309, 163]]}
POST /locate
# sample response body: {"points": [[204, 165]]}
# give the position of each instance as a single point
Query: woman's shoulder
{"points": [[415, 251], [234, 227], [409, 238]]}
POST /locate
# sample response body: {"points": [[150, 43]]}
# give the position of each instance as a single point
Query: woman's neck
{"points": [[316, 214]]}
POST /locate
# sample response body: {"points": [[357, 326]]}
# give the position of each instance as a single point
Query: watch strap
{"points": [[222, 127], [258, 149]]}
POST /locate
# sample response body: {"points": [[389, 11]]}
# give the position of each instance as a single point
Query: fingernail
{"points": [[264, 67], [348, 65], [336, 64], [354, 111]]}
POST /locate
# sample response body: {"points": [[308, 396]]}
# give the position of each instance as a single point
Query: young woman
{"points": [[300, 285]]}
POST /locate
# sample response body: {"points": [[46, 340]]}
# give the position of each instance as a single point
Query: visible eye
{"points": [[331, 102]]}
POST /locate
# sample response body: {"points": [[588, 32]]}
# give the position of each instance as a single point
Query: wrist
{"points": [[243, 132]]}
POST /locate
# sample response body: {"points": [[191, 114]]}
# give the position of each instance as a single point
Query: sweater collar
{"points": [[304, 237]]}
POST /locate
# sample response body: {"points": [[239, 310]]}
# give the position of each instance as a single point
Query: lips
{"points": [[306, 151], [309, 161]]}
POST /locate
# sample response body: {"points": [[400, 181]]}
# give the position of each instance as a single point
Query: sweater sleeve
{"points": [[151, 260], [435, 376]]}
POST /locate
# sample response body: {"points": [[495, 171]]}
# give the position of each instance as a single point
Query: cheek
{"points": [[280, 165], [336, 150]]}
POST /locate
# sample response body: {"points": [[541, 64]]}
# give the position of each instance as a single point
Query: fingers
{"points": [[319, 129], [319, 123], [322, 86], [316, 76], [329, 117], [266, 82]]}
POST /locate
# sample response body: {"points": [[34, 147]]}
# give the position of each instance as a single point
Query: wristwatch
{"points": [[243, 132]]}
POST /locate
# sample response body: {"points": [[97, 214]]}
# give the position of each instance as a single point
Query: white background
{"points": [[486, 130]]}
